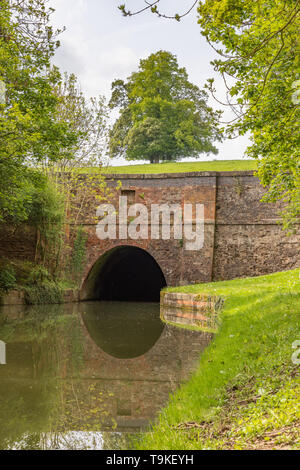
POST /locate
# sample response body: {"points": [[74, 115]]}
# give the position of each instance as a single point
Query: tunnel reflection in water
{"points": [[123, 330], [124, 273], [60, 388]]}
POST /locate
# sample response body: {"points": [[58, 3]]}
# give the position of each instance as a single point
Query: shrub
{"points": [[7, 278]]}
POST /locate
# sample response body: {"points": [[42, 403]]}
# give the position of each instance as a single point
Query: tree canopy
{"points": [[29, 128], [258, 44], [162, 115]]}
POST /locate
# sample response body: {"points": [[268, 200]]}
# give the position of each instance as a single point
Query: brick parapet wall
{"points": [[242, 234]]}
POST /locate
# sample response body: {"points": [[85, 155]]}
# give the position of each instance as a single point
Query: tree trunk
{"points": [[154, 160]]}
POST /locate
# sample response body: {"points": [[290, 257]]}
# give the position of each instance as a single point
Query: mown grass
{"points": [[245, 393], [180, 167]]}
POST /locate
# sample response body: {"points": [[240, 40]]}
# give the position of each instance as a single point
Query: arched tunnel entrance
{"points": [[125, 273]]}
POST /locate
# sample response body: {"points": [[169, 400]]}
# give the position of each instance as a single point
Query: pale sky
{"points": [[100, 45]]}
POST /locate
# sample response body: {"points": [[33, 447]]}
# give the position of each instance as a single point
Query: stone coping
{"points": [[194, 301], [201, 310], [191, 174]]}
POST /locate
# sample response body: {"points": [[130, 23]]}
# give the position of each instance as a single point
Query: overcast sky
{"points": [[100, 45]]}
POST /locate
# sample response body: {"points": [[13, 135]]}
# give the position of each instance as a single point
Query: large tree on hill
{"points": [[162, 115], [258, 47]]}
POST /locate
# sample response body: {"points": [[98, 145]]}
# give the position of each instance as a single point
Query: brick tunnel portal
{"points": [[125, 273]]}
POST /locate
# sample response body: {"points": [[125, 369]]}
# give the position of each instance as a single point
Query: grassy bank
{"points": [[245, 392], [175, 167]]}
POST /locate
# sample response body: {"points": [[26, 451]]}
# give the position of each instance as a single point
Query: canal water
{"points": [[92, 375]]}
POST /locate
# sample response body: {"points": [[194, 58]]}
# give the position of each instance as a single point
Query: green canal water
{"points": [[92, 375]]}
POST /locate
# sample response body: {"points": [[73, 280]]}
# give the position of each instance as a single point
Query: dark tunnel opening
{"points": [[125, 274]]}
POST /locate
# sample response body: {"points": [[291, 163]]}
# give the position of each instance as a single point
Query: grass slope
{"points": [[176, 167], [245, 393]]}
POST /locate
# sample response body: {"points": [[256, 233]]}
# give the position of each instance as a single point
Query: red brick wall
{"points": [[242, 235], [19, 243]]}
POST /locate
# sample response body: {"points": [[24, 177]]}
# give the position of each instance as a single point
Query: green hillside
{"points": [[174, 167]]}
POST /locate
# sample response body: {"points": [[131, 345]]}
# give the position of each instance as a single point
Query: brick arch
{"points": [[124, 272]]}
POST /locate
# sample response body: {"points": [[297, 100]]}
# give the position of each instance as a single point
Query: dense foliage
{"points": [[162, 115], [258, 43], [29, 128]]}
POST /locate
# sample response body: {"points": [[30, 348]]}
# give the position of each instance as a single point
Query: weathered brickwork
{"points": [[193, 309], [242, 234], [253, 250], [248, 239], [17, 243]]}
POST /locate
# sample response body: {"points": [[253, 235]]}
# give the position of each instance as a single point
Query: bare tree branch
{"points": [[153, 7]]}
